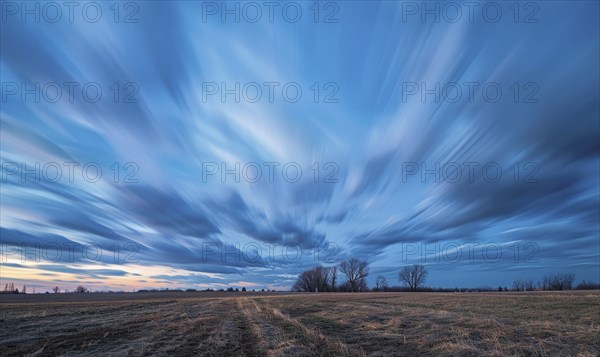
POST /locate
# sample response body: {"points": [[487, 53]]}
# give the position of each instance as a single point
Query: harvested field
{"points": [[275, 324]]}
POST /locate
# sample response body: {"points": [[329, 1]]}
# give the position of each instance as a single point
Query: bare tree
{"points": [[413, 276], [362, 285], [381, 283], [356, 271], [518, 285], [321, 276], [587, 285], [56, 289], [333, 277], [558, 282], [567, 280], [81, 289], [304, 282], [523, 285], [314, 280]]}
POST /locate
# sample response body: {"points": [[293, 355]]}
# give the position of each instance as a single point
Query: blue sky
{"points": [[388, 131]]}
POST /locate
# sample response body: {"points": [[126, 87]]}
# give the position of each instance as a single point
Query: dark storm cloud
{"points": [[53, 248], [234, 213], [81, 222], [203, 255], [95, 273], [167, 211], [374, 176], [16, 237]]}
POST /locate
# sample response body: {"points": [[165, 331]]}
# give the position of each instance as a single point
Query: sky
{"points": [[203, 145]]}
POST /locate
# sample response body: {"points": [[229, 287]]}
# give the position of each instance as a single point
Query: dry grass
{"points": [[238, 324]]}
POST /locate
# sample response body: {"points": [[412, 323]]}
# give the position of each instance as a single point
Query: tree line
{"points": [[10, 288], [554, 282], [355, 272]]}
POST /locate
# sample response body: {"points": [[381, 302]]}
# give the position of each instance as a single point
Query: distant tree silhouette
{"points": [[243, 288], [56, 289], [587, 285], [333, 277], [314, 280], [413, 276], [381, 283], [80, 289], [356, 272], [9, 288], [522, 285], [558, 281], [344, 287]]}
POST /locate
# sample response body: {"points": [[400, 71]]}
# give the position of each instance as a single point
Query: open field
{"points": [[275, 324]]}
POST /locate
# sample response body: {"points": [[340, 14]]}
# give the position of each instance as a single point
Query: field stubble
{"points": [[240, 324]]}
